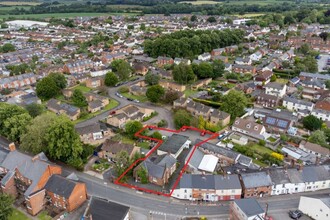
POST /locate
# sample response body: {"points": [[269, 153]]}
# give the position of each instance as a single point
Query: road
{"points": [[163, 113], [322, 62], [159, 205]]}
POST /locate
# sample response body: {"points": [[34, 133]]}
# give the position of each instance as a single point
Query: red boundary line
{"points": [[138, 134]]}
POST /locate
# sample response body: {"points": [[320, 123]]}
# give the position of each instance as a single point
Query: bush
{"points": [[123, 89], [162, 123], [262, 142]]}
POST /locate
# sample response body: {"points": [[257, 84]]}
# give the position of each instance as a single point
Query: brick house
{"points": [[110, 149], [161, 61], [201, 83], [15, 82], [65, 193], [96, 102], [244, 69], [25, 177], [256, 184], [63, 108], [219, 117], [140, 68], [269, 101], [218, 51], [172, 85], [95, 82], [263, 77], [79, 66]]}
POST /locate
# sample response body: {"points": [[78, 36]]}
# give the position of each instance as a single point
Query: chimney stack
{"points": [[301, 167], [317, 160], [12, 146]]}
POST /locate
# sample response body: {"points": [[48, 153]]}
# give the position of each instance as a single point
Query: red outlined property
{"points": [[159, 143]]}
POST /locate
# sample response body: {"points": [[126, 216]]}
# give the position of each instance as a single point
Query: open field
{"points": [[201, 2], [19, 3], [251, 15], [63, 15], [257, 2]]}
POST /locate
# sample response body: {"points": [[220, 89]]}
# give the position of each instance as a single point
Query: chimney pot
{"points": [[12, 146]]}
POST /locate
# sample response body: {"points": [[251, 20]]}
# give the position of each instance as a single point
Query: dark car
{"points": [[129, 99], [97, 162], [113, 112], [295, 214]]}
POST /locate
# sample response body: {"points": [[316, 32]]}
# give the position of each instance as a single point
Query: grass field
{"points": [[251, 15], [19, 3], [64, 15], [140, 98], [257, 2], [18, 215], [82, 88], [201, 2]]}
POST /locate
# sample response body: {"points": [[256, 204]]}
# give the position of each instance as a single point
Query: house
{"points": [[296, 178], [94, 82], [79, 66], [128, 113], [219, 117], [177, 61], [63, 108], [19, 81], [311, 76], [294, 104], [321, 114], [243, 61], [316, 177], [110, 149], [250, 128], [246, 209], [65, 193], [263, 78], [24, 177], [268, 101], [275, 89], [315, 149], [174, 145], [222, 58], [316, 208], [201, 83], [172, 85], [279, 120], [158, 169], [140, 68], [92, 132], [161, 61], [256, 184], [281, 182], [244, 69], [196, 187], [231, 49], [217, 52], [100, 209], [204, 57], [247, 87], [138, 88]]}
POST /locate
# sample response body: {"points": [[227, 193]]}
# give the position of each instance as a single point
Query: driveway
{"points": [[322, 62]]}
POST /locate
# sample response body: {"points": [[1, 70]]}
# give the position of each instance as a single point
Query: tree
{"points": [[211, 19], [132, 127], [327, 84], [15, 126], [324, 35], [305, 48], [35, 109], [143, 27], [318, 137], [155, 93], [273, 78], [124, 70], [312, 123], [110, 79], [170, 96], [181, 118], [6, 206], [79, 99], [310, 64], [193, 18], [152, 79], [8, 111], [122, 162], [34, 140], [183, 73], [143, 175], [289, 19], [157, 135], [203, 70], [234, 103], [218, 68], [47, 88], [59, 80], [7, 48]]}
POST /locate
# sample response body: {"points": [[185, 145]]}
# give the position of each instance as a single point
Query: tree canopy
{"points": [[152, 79], [155, 93], [35, 109], [312, 123], [49, 87], [183, 73], [234, 103], [132, 127], [79, 99], [110, 79], [181, 118], [6, 206]]}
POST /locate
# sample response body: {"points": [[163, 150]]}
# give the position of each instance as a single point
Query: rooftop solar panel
{"points": [[270, 121], [282, 124]]}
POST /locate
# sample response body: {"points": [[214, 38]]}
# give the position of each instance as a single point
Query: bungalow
{"points": [[275, 89], [197, 187], [256, 184], [174, 145], [110, 149], [63, 108], [158, 170]]}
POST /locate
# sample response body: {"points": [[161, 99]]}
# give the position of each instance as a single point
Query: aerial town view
{"points": [[164, 109]]}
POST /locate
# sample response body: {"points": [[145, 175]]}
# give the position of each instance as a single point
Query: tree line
{"points": [[189, 43]]}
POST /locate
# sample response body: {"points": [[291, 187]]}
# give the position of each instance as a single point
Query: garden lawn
{"points": [[140, 98], [82, 88], [18, 215], [190, 92], [260, 149], [145, 145], [44, 216]]}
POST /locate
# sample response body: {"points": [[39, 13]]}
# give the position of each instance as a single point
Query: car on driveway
{"points": [[295, 214], [135, 100], [129, 99]]}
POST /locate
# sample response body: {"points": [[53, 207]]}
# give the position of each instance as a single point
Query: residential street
{"points": [[144, 203], [163, 113]]}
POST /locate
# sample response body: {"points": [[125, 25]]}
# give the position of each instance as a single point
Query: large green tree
{"points": [[132, 127], [318, 137], [35, 109], [203, 70], [181, 118], [79, 99], [122, 162], [155, 93], [124, 70], [183, 74], [152, 79], [47, 89], [312, 123], [6, 206], [15, 126], [110, 79], [218, 68], [234, 103], [59, 79]]}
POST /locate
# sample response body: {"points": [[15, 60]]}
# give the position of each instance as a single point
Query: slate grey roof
{"points": [[60, 185], [298, 101], [279, 176], [252, 180], [92, 128], [4, 142], [315, 75], [101, 209], [154, 170], [7, 177], [250, 206], [30, 169], [218, 150], [173, 143], [200, 181], [326, 201], [275, 85], [167, 161], [295, 176], [196, 158], [315, 173]]}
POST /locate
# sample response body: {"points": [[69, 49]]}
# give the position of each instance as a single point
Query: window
{"points": [[185, 191]]}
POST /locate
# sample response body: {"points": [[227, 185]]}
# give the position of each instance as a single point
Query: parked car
{"points": [[295, 214], [135, 100], [129, 99], [113, 112]]}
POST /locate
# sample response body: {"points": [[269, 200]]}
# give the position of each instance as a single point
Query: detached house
{"points": [[111, 148], [208, 187], [275, 89], [204, 57], [263, 78], [244, 69]]}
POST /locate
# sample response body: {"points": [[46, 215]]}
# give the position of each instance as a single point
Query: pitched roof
{"points": [[92, 128], [173, 143], [60, 185], [101, 209], [115, 147], [252, 180], [250, 206]]}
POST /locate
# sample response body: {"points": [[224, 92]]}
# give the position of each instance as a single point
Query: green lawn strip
{"points": [[44, 216], [145, 145], [190, 92], [260, 149], [18, 215], [140, 98], [82, 88], [113, 103]]}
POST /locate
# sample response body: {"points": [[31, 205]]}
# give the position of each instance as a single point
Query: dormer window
{"points": [[236, 122], [256, 128], [248, 126]]}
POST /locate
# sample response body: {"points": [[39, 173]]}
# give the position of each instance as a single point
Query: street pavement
{"points": [[144, 203], [163, 113]]}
